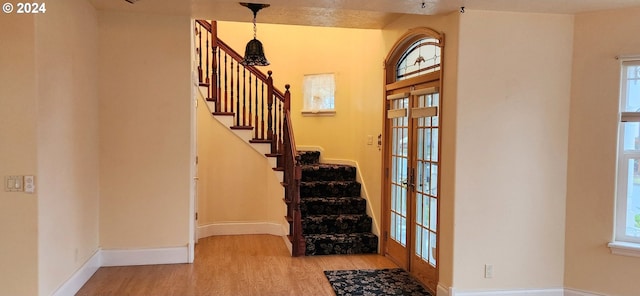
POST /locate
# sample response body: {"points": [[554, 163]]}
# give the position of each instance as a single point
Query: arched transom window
{"points": [[423, 56]]}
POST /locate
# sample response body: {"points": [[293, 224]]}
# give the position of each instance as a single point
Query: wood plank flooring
{"points": [[231, 265]]}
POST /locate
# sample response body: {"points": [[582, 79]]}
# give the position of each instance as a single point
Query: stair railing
{"points": [[248, 95], [292, 177], [237, 90]]}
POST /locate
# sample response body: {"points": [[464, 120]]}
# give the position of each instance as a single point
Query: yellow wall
{"points": [[67, 177], [356, 57], [144, 90], [18, 127], [514, 78], [590, 266]]}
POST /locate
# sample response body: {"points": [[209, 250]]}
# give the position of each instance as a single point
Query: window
{"points": [[422, 57], [627, 224], [319, 94]]}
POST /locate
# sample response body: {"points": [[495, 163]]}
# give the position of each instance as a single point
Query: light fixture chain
{"points": [[255, 28]]}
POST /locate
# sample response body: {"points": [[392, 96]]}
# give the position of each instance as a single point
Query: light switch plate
{"points": [[13, 183]]}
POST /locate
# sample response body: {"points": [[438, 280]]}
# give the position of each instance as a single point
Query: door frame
{"points": [[394, 55]]}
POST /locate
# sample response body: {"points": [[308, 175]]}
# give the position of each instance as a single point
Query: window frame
{"points": [[306, 101], [622, 243]]}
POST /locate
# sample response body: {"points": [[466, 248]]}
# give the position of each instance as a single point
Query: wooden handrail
{"points": [[293, 176], [236, 56]]}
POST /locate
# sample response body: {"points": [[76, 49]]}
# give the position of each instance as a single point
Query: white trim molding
{"points": [[625, 249], [523, 292], [442, 291], [239, 228], [573, 292], [145, 256], [81, 276]]}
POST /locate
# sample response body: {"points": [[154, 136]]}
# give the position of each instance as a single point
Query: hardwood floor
{"points": [[231, 265]]}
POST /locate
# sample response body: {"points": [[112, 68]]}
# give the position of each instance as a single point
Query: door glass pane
{"points": [[433, 184], [433, 211], [399, 165], [427, 143], [419, 241], [432, 251], [426, 182], [424, 254], [425, 212], [434, 144]]}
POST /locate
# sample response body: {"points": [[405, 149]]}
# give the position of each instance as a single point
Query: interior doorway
{"points": [[412, 153]]}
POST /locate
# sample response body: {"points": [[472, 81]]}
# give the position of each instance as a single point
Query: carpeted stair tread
{"points": [[329, 188], [315, 224], [334, 215], [326, 172], [341, 243], [333, 205]]}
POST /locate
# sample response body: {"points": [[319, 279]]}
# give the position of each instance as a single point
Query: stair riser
{"points": [[342, 224], [334, 218], [309, 157], [336, 173], [330, 246], [332, 189], [331, 206]]}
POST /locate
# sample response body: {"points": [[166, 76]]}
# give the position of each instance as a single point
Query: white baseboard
{"points": [[241, 228], [531, 292], [145, 256], [81, 276], [573, 292], [442, 291]]}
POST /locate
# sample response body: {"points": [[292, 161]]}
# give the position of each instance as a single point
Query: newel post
{"points": [[270, 113], [287, 98]]}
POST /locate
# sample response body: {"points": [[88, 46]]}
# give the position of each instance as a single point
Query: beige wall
{"points": [[514, 76], [67, 177], [144, 92], [18, 127], [590, 266]]}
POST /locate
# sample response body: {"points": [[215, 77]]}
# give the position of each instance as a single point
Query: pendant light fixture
{"points": [[254, 52]]}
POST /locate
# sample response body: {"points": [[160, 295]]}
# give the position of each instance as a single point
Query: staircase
{"points": [[325, 212], [334, 218]]}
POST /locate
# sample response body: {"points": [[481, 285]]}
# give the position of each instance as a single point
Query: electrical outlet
{"points": [[488, 271], [29, 184]]}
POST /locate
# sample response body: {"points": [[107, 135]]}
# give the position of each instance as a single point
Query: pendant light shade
{"points": [[254, 52]]}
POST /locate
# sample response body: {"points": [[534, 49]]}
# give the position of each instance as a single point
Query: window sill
{"points": [[625, 249], [318, 113]]}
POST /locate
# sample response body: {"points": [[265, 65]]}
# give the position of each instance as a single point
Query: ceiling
{"points": [[369, 14]]}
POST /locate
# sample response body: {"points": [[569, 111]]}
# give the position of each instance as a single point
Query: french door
{"points": [[412, 167]]}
